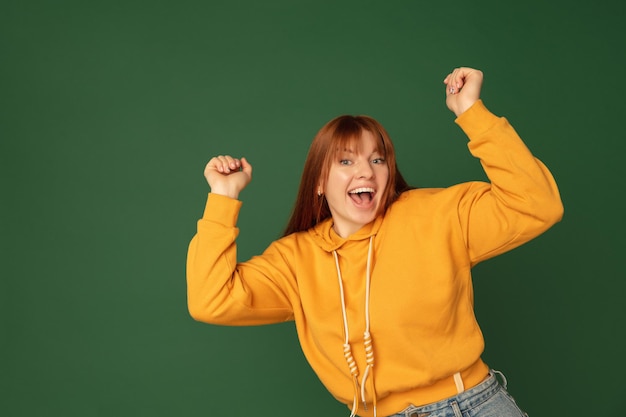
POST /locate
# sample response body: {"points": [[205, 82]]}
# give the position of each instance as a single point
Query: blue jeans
{"points": [[487, 399]]}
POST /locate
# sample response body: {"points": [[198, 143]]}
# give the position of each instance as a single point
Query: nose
{"points": [[364, 170]]}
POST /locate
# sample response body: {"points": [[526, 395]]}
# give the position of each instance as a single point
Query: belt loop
{"points": [[504, 381], [458, 381]]}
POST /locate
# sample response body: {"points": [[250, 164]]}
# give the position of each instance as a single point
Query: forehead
{"points": [[365, 142]]}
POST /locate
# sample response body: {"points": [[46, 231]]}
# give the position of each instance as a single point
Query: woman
{"points": [[376, 275]]}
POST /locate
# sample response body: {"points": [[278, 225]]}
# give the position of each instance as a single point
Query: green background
{"points": [[110, 110]]}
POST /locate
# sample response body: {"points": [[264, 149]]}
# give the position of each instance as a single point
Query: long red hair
{"points": [[311, 208]]}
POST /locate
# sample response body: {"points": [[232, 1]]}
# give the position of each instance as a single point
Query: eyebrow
{"points": [[376, 152], [349, 147]]}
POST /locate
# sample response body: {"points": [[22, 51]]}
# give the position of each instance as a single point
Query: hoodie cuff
{"points": [[476, 120], [221, 209]]}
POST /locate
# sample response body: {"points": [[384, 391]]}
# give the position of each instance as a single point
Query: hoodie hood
{"points": [[328, 240]]}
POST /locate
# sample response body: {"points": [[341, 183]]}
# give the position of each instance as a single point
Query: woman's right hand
{"points": [[227, 175]]}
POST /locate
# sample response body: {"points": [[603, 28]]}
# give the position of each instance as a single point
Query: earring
{"points": [[319, 192]]}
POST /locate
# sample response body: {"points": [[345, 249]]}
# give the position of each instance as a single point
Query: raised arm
{"points": [[521, 199], [219, 289]]}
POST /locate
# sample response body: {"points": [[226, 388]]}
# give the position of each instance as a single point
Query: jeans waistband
{"points": [[464, 400]]}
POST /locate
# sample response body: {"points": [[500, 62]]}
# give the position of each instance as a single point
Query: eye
{"points": [[344, 162], [378, 160]]}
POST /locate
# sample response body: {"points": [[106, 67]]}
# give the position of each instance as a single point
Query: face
{"points": [[355, 185]]}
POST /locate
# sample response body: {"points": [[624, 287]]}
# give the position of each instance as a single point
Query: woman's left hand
{"points": [[462, 89]]}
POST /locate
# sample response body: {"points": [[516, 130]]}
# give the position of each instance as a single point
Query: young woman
{"points": [[376, 275]]}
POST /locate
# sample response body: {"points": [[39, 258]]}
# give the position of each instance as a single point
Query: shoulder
{"points": [[294, 243], [437, 200], [439, 195]]}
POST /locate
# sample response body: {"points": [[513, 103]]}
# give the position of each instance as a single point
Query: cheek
{"points": [[335, 185], [338, 179], [383, 177]]}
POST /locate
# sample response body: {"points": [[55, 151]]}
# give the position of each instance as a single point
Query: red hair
{"points": [[311, 208]]}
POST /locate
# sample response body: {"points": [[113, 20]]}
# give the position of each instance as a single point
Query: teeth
{"points": [[361, 190]]}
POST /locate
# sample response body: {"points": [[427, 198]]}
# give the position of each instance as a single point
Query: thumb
{"points": [[246, 167]]}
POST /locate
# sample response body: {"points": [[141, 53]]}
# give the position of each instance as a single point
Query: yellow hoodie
{"points": [[399, 289]]}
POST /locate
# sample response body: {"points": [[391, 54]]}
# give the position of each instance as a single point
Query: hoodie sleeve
{"points": [[521, 200], [221, 291]]}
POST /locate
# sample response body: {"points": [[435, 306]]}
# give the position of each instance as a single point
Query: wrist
{"points": [[234, 194]]}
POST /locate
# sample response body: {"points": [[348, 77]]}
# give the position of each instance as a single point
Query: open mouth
{"points": [[362, 195]]}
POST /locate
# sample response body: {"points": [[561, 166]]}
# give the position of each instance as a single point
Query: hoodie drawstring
{"points": [[367, 337]]}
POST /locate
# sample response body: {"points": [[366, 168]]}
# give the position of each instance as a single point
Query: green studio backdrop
{"points": [[110, 110]]}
